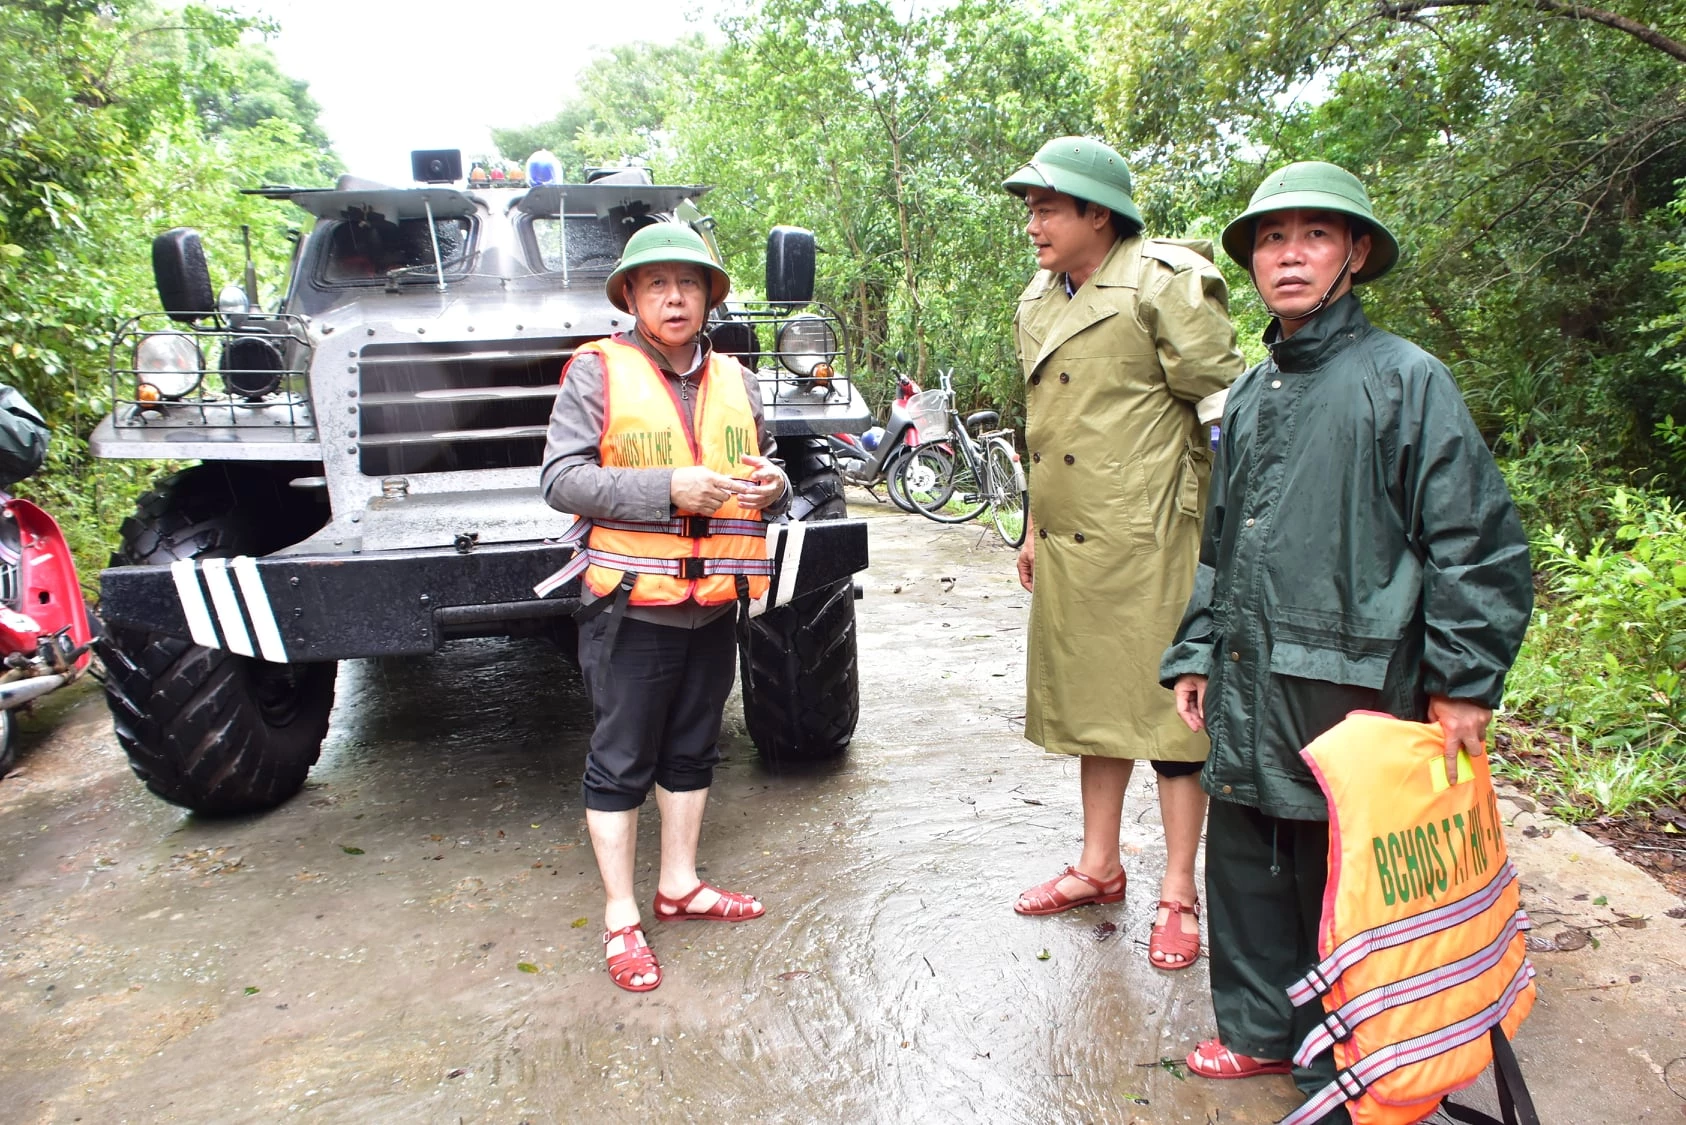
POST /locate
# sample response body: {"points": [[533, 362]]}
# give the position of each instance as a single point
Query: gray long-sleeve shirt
{"points": [[575, 480]]}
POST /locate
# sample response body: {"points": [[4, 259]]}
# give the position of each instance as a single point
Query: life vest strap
{"points": [[573, 568], [1354, 949], [1516, 1103], [1350, 1084], [686, 568], [614, 604], [1339, 1025], [691, 527]]}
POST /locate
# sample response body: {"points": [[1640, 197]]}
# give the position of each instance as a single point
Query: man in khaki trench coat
{"points": [[1127, 351]]}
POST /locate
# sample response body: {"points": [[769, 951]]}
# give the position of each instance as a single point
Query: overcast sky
{"points": [[392, 75]]}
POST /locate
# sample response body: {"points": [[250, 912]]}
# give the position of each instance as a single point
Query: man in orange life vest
{"points": [[661, 444], [1360, 552]]}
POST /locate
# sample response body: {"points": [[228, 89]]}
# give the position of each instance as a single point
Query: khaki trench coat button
{"points": [[1042, 532], [1036, 378], [1078, 537], [1234, 655], [1036, 458], [1070, 460], [1064, 378], [1228, 789]]}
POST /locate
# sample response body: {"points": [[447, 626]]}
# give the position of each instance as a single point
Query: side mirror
{"points": [[790, 265], [182, 277]]}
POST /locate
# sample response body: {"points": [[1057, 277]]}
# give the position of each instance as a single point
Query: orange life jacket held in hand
{"points": [[690, 557], [1421, 936]]}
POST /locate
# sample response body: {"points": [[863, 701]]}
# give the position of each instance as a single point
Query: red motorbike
{"points": [[45, 630], [871, 458]]}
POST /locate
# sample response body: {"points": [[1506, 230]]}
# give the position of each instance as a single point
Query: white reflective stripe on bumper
{"points": [[227, 606], [270, 645], [193, 605], [795, 533], [224, 607]]}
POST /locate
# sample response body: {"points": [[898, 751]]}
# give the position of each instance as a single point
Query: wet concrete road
{"points": [[415, 938]]}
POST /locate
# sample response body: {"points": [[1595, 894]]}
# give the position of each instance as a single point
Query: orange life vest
{"points": [[1421, 936], [690, 557]]}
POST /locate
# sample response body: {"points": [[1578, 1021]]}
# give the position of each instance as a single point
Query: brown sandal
{"points": [[1047, 898], [636, 959], [1168, 938]]}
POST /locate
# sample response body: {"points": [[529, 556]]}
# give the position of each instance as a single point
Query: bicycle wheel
{"points": [[1008, 497], [895, 478], [924, 477], [959, 496]]}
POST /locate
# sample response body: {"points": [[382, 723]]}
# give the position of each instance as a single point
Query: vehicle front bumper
{"points": [[297, 608]]}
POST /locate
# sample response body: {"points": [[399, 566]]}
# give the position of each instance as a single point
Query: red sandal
{"points": [[1047, 898], [729, 907], [1169, 939], [635, 959], [1214, 1060]]}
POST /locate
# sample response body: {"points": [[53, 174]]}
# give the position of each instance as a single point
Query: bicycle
{"points": [[952, 476]]}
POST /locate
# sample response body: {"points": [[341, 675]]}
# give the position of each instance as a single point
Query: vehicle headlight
{"points": [[805, 342], [169, 361], [251, 366]]}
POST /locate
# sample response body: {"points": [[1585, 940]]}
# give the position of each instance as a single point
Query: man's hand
{"points": [[1027, 556], [699, 489], [768, 483], [1191, 700], [1465, 724]]}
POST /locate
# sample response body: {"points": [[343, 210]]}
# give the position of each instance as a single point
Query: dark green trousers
{"points": [[1264, 897]]}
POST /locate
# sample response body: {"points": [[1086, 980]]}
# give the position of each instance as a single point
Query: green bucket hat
{"points": [[1081, 168], [666, 242], [1313, 185]]}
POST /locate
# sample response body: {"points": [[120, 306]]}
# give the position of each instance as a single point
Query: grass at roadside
{"points": [[1595, 720]]}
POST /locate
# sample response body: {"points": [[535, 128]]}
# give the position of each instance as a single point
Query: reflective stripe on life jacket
{"points": [[1422, 932], [690, 557]]}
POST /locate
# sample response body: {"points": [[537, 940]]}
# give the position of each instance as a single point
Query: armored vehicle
{"points": [[366, 468]]}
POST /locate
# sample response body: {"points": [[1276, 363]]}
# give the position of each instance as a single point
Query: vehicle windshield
{"points": [[593, 243], [370, 248]]}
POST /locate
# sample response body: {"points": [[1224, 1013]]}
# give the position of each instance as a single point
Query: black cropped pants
{"points": [[658, 699]]}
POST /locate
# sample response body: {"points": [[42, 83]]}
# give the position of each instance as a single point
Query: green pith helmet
{"points": [[1313, 185], [666, 242], [1081, 168]]}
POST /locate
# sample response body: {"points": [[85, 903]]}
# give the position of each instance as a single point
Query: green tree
{"points": [[105, 147], [888, 134], [619, 112], [242, 88], [1524, 150]]}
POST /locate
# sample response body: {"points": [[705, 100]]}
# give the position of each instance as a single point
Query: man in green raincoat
{"points": [[1361, 552], [1123, 341]]}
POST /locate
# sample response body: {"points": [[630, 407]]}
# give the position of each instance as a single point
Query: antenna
{"points": [[251, 269]]}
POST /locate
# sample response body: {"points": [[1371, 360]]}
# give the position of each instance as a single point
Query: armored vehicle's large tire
{"points": [[801, 677], [204, 728]]}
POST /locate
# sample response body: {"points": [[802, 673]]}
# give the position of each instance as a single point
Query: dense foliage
{"points": [[121, 120]]}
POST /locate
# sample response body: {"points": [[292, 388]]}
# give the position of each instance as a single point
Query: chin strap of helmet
{"points": [[1340, 275]]}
